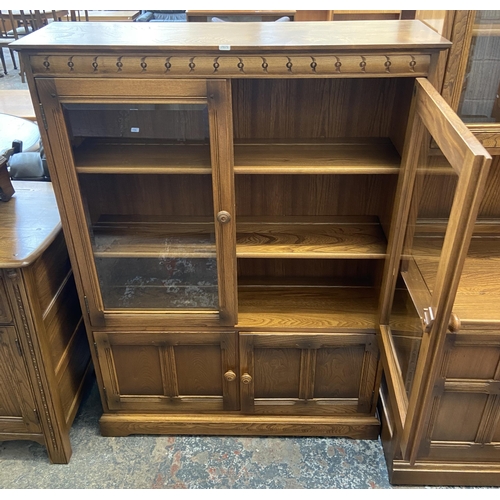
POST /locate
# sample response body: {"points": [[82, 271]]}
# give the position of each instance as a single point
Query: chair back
{"points": [[76, 15]]}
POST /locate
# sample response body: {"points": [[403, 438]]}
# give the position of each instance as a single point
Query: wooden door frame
{"points": [[217, 95], [471, 162]]}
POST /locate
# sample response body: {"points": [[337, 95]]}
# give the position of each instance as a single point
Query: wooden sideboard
{"points": [[263, 233], [44, 355]]}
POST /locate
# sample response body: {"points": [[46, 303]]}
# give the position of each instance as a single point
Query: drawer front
{"points": [[169, 371], [5, 314], [307, 373]]}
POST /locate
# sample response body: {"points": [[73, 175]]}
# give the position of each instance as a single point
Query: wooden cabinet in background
{"points": [[258, 242], [44, 354]]}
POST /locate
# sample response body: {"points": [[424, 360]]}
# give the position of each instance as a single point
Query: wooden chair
{"points": [[75, 15], [19, 25], [7, 24]]}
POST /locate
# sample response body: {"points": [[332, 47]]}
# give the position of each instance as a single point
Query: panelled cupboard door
{"points": [[307, 374], [144, 170], [174, 372], [438, 197], [17, 406]]}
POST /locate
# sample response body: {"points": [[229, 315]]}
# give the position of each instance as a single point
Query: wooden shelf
{"points": [[340, 156], [177, 238], [320, 237], [100, 157], [292, 237], [478, 296], [311, 307]]}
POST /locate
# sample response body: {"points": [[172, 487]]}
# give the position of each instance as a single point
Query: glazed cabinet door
{"points": [[440, 188], [143, 171], [17, 407], [174, 372], [307, 374]]}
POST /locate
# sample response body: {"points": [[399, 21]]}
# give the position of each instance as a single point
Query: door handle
{"points": [[223, 217]]}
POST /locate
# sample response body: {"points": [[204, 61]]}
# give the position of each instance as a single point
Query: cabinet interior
{"points": [[302, 231]]}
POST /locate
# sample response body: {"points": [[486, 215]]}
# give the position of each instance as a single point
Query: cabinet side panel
{"points": [[50, 270]]}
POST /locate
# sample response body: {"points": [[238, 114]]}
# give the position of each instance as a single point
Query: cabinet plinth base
{"points": [[239, 425], [444, 474]]}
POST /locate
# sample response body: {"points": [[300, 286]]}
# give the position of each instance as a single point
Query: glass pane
{"points": [[433, 194], [480, 100], [153, 245]]}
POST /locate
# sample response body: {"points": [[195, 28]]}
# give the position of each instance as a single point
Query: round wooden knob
{"points": [[223, 217], [246, 378], [230, 376], [455, 323]]}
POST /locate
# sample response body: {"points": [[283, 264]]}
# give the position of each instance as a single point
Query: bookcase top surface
{"points": [[223, 37]]}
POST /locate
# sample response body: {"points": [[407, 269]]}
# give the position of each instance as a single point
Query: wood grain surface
{"points": [[29, 222], [262, 37]]}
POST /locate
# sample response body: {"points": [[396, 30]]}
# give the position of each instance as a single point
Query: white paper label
{"points": [[224, 47], [134, 129]]}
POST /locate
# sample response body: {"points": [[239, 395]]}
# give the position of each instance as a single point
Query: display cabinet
{"points": [[236, 197]]}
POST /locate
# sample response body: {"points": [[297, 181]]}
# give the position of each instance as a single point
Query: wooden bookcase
{"points": [[243, 204]]}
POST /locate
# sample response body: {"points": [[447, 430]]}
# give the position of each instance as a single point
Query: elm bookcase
{"points": [[267, 222]]}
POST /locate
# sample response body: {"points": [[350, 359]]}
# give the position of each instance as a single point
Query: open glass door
{"points": [[439, 192]]}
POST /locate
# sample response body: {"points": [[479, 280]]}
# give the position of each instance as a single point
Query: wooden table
{"points": [[15, 128], [265, 15], [17, 103], [44, 353], [113, 15]]}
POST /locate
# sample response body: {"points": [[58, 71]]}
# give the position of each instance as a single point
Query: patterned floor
{"points": [[157, 462]]}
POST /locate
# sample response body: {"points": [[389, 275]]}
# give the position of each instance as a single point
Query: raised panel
{"points": [[16, 398], [338, 372], [138, 369], [277, 373], [9, 404], [199, 370], [459, 417], [473, 362]]}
